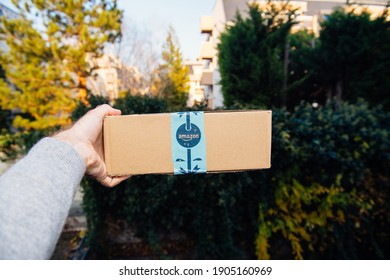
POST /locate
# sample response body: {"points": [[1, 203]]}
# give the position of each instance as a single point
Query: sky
{"points": [[158, 15], [182, 15]]}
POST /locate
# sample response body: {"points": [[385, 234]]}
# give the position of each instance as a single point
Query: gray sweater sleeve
{"points": [[35, 197]]}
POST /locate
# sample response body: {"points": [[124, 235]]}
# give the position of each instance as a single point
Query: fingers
{"points": [[105, 110], [99, 171], [112, 181]]}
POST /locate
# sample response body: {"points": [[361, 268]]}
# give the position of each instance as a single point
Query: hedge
{"points": [[325, 196]]}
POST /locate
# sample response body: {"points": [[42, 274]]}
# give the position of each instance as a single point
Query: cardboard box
{"points": [[187, 142]]}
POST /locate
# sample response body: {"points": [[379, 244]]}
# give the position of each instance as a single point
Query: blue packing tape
{"points": [[188, 143]]}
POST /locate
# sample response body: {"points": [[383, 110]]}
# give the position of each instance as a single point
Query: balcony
{"points": [[206, 24], [207, 50], [207, 78]]}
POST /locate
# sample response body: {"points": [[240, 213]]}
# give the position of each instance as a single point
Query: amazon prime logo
{"points": [[188, 137]]}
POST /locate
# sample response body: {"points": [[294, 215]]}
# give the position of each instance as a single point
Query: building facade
{"points": [[196, 92], [223, 13], [103, 80]]}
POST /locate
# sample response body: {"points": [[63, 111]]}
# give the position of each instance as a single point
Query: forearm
{"points": [[35, 197]]}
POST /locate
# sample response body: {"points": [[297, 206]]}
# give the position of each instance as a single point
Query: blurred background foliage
{"points": [[326, 195]]}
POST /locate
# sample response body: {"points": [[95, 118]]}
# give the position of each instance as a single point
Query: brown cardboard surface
{"points": [[141, 144]]}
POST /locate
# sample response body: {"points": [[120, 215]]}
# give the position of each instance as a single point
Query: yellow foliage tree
{"points": [[45, 65]]}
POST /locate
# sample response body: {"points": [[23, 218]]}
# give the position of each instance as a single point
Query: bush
{"points": [[139, 104], [324, 196], [330, 179]]}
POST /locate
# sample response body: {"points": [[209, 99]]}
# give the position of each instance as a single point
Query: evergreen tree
{"points": [[303, 83], [353, 58], [251, 55], [46, 64], [172, 83]]}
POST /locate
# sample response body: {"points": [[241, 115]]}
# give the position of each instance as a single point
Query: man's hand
{"points": [[86, 138]]}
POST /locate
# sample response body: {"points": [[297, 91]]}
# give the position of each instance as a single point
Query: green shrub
{"points": [[93, 101], [13, 145], [329, 169], [139, 104]]}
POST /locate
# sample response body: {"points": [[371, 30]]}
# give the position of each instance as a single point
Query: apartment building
{"points": [[196, 91], [223, 13], [103, 80]]}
